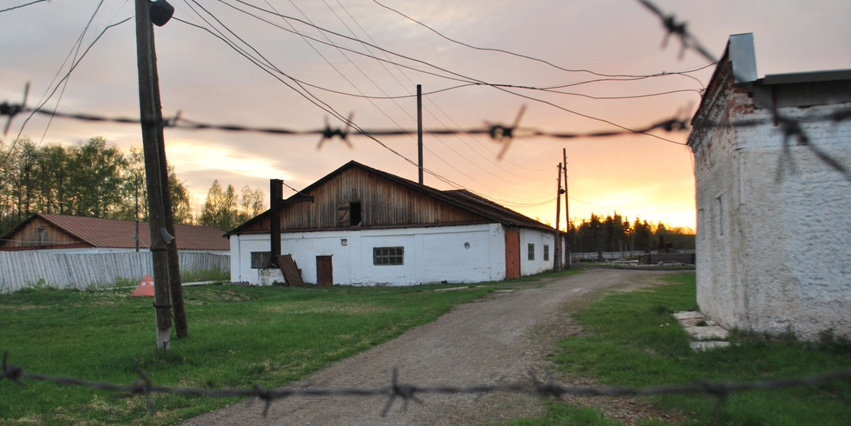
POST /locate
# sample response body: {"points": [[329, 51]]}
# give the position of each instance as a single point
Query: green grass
{"points": [[632, 339], [239, 336], [188, 276]]}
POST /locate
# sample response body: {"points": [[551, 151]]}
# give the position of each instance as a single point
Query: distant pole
{"points": [[557, 257], [420, 129], [136, 187], [151, 116], [569, 261], [276, 194]]}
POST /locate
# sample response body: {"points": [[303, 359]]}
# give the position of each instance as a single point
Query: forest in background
{"points": [[616, 233]]}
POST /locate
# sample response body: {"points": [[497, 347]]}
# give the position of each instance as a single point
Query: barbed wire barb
{"points": [[505, 135], [11, 110], [11, 372], [328, 133]]}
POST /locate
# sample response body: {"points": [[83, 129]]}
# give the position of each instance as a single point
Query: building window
{"points": [[546, 252], [531, 252], [354, 214], [349, 215], [719, 217], [388, 256], [260, 259]]}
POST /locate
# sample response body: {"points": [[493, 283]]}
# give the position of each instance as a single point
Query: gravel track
{"points": [[501, 338]]}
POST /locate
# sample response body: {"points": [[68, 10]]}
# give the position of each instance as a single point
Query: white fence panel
{"points": [[22, 269]]}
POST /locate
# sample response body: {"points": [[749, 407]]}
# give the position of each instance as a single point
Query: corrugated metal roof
{"points": [[109, 233]]}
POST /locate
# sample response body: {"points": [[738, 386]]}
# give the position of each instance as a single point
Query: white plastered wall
{"points": [[774, 230], [468, 253]]}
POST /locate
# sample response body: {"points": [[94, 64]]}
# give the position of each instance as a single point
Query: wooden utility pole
{"points": [[420, 129], [557, 257], [151, 117], [568, 261], [136, 187]]}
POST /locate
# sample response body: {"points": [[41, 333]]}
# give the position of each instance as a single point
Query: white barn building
{"points": [[366, 227], [774, 226]]}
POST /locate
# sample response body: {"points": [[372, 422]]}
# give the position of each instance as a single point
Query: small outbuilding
{"points": [[773, 198], [367, 227]]}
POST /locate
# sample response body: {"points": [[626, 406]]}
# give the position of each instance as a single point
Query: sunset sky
{"points": [[208, 81]]}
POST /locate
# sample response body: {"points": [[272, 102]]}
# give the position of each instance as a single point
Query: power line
{"points": [[411, 95], [442, 178], [75, 50], [519, 55], [623, 128], [458, 77], [67, 75], [315, 100], [467, 79], [21, 6], [410, 116]]}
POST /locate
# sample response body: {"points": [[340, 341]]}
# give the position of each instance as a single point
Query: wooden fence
{"points": [[22, 269]]}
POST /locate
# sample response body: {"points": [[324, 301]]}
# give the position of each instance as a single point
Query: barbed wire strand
{"points": [[407, 392], [497, 132]]}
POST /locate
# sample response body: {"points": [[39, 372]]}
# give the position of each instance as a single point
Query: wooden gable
{"points": [[39, 233], [358, 197]]}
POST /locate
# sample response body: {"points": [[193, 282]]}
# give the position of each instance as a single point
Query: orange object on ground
{"points": [[145, 287]]}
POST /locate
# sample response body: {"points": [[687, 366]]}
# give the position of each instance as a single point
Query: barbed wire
{"points": [[497, 132], [144, 386]]}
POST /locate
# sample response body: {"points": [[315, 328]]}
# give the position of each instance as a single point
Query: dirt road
{"points": [[498, 339]]}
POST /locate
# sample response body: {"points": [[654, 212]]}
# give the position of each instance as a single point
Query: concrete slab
{"points": [[709, 332], [708, 345], [705, 333], [689, 315]]}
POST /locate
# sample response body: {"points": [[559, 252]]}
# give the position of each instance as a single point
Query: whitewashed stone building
{"points": [[773, 209], [365, 226]]}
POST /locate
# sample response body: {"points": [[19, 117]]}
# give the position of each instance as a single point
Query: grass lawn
{"points": [[239, 336], [632, 339]]}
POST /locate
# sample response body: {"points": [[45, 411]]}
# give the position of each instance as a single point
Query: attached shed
{"points": [[91, 234], [366, 226], [773, 227]]}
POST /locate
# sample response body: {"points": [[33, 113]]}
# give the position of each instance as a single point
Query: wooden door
{"points": [[324, 271], [512, 254]]}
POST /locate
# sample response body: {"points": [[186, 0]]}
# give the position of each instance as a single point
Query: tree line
{"points": [[616, 233], [96, 179]]}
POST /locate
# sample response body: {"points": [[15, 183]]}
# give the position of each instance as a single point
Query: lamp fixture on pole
{"points": [[161, 12]]}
